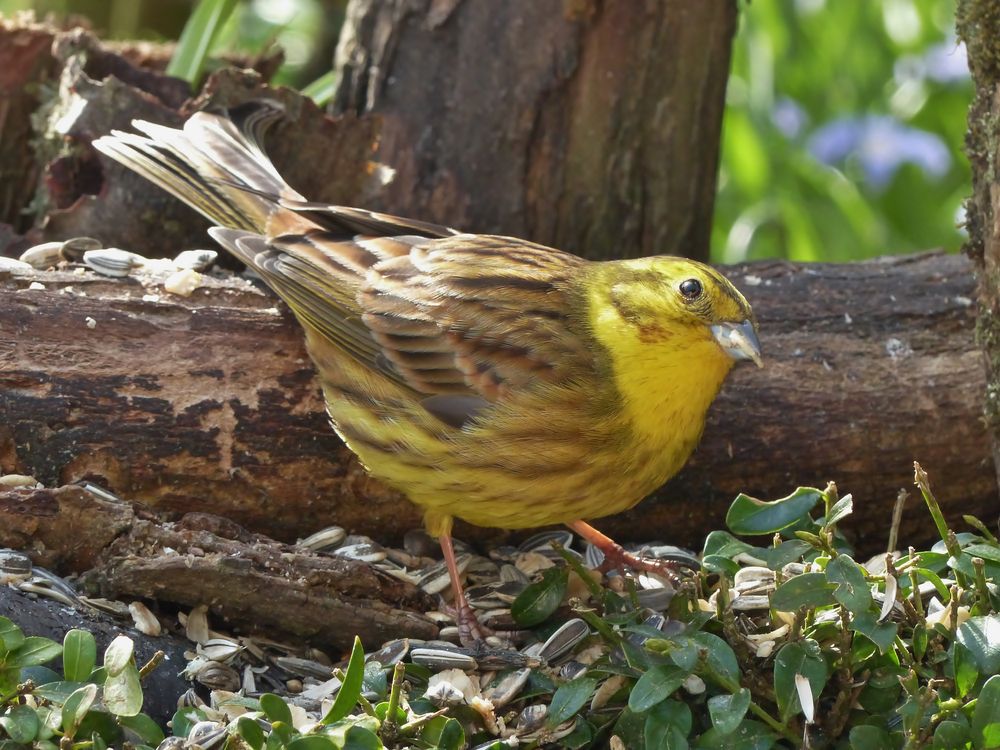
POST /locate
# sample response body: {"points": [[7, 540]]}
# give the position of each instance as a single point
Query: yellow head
{"points": [[673, 303], [671, 330]]}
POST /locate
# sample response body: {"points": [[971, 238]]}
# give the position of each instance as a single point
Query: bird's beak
{"points": [[739, 341]]}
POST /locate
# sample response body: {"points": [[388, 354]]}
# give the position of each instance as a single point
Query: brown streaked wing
{"points": [[462, 321], [500, 306]]}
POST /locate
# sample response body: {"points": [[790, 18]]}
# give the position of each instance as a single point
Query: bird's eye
{"points": [[690, 289]]}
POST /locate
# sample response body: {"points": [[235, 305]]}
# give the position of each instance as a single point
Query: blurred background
{"points": [[842, 137]]}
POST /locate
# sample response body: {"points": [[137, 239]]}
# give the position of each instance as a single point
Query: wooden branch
{"points": [[592, 127], [250, 582], [210, 403]]}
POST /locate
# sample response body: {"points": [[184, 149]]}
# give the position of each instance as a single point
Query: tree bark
{"points": [[210, 402], [585, 125], [250, 582], [979, 27]]}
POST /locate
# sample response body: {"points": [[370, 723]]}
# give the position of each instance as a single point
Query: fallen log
{"points": [[210, 402], [251, 584]]}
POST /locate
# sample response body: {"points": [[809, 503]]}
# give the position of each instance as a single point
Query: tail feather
{"points": [[217, 168]]}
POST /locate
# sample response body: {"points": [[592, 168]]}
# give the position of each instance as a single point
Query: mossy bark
{"points": [[585, 125], [978, 23]]}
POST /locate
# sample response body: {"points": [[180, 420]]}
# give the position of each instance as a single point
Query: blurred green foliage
{"points": [[877, 88], [844, 121]]}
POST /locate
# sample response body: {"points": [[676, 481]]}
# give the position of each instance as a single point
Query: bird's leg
{"points": [[617, 558], [470, 631]]}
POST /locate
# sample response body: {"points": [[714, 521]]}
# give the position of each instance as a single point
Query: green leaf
{"points": [[76, 707], [794, 658], [275, 709], [668, 725], [313, 742], [33, 651], [9, 679], [990, 552], [788, 551], [21, 724], [11, 636], [657, 684], [118, 655], [196, 39], [323, 88], [728, 710], [57, 692], [981, 635], [748, 515], [964, 667], [720, 659], [250, 731], [79, 655], [950, 735], [751, 735], [868, 737], [806, 590], [569, 699], [986, 716], [350, 691], [123, 691], [840, 510], [362, 738], [882, 634], [443, 733], [852, 589], [539, 600], [144, 728], [724, 544]]}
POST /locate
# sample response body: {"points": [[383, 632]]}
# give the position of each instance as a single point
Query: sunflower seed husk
{"points": [[14, 265], [364, 552], [323, 539], [43, 256], [542, 542], [114, 608], [510, 574], [531, 718], [217, 676], [436, 579], [391, 653], [564, 639], [304, 667], [195, 260], [41, 588], [593, 557], [17, 481], [172, 743], [655, 599], [112, 261], [219, 649], [14, 563], [190, 699], [507, 687], [196, 626], [207, 734], [606, 691], [74, 248], [440, 658], [100, 493], [145, 621], [571, 670], [750, 602]]}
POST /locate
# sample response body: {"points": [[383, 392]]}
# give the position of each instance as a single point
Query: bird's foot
{"points": [[617, 558], [471, 632]]}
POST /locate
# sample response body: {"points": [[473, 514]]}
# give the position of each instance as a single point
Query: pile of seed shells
{"points": [[181, 275], [486, 682]]}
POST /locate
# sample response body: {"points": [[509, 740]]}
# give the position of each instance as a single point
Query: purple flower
{"points": [[789, 117], [881, 144]]}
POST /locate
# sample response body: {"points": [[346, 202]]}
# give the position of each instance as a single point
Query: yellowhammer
{"points": [[487, 378]]}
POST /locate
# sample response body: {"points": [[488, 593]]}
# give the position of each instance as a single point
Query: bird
{"points": [[486, 378]]}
